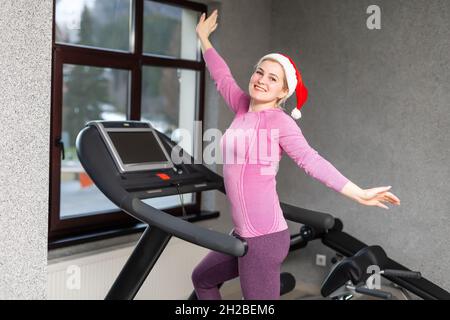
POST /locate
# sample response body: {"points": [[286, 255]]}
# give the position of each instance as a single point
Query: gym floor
{"points": [[303, 291]]}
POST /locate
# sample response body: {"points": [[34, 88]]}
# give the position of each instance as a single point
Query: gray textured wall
{"points": [[25, 61], [378, 111]]}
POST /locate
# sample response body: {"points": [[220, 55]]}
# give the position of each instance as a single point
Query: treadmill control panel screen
{"points": [[134, 146], [137, 147]]}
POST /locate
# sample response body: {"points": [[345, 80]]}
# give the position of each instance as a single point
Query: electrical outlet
{"points": [[321, 260]]}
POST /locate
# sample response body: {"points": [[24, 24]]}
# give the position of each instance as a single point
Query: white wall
{"points": [[90, 276]]}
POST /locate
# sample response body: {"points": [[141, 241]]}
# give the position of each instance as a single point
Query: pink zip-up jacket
{"points": [[252, 148]]}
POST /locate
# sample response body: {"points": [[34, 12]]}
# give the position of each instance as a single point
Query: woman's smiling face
{"points": [[267, 82]]}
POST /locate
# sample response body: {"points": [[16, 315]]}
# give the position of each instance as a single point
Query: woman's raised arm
{"points": [[234, 96], [205, 27]]}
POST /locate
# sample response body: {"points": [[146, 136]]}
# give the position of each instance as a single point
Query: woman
{"points": [[250, 181]]}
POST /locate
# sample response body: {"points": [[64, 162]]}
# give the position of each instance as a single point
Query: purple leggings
{"points": [[259, 270]]}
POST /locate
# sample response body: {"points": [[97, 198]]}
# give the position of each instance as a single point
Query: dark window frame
{"points": [[81, 229]]}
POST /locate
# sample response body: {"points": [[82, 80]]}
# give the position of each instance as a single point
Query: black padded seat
{"points": [[354, 269]]}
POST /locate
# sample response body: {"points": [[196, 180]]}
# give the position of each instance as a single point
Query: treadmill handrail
{"points": [[190, 232], [311, 218]]}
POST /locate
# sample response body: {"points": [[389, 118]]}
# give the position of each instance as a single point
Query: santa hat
{"points": [[294, 80]]}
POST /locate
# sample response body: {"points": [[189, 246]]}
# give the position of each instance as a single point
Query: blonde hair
{"points": [[280, 102]]}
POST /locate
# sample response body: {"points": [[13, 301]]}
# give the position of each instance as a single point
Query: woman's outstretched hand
{"points": [[377, 197], [206, 26], [370, 197]]}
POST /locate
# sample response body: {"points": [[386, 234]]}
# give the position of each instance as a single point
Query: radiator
{"points": [[90, 276]]}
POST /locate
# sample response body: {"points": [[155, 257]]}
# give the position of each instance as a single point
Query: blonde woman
{"points": [[250, 183]]}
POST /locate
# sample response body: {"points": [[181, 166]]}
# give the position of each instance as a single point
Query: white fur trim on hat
{"points": [[289, 70]]}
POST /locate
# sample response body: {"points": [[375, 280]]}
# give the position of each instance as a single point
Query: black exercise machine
{"points": [[130, 161]]}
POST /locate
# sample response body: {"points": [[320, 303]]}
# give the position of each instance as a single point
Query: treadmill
{"points": [[130, 161]]}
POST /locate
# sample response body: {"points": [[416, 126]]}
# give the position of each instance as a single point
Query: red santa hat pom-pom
{"points": [[302, 95]]}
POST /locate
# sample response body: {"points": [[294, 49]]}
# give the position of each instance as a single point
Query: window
{"points": [[118, 60], [94, 23], [168, 31], [88, 93]]}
